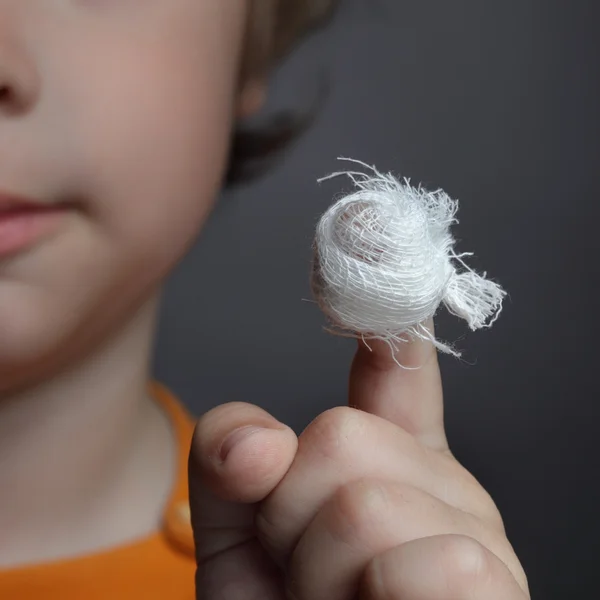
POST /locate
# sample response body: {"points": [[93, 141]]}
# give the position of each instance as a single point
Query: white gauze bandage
{"points": [[384, 261]]}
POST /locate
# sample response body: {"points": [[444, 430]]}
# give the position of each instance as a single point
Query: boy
{"points": [[115, 121]]}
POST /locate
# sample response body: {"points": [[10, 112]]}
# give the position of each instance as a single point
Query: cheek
{"points": [[145, 126], [157, 148]]}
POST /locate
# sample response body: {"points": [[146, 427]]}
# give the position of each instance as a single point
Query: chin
{"points": [[30, 342], [41, 335], [36, 332]]}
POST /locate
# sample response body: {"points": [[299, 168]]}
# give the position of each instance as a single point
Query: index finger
{"points": [[409, 395]]}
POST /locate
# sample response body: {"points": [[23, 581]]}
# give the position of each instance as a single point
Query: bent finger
{"points": [[438, 568], [239, 455], [361, 521], [345, 445]]}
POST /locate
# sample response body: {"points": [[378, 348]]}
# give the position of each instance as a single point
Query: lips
{"points": [[25, 222], [10, 202]]}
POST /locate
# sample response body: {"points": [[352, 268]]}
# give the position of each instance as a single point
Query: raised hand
{"points": [[368, 503]]}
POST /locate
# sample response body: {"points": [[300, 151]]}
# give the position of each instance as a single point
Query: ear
{"points": [[252, 97]]}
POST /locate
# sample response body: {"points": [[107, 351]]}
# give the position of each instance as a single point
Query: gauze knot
{"points": [[384, 262]]}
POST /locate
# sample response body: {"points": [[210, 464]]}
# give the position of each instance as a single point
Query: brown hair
{"points": [[274, 27]]}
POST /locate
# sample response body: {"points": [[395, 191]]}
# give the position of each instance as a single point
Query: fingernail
{"points": [[236, 437]]}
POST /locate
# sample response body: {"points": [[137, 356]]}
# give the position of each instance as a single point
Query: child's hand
{"points": [[367, 504]]}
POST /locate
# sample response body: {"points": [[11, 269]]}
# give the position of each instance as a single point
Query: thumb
{"points": [[239, 454]]}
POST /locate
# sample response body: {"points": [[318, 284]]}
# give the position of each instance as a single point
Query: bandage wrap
{"points": [[384, 261]]}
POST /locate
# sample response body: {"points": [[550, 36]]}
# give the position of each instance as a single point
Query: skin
{"points": [[124, 110], [367, 503]]}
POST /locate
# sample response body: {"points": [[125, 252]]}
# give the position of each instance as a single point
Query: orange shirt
{"points": [[157, 567]]}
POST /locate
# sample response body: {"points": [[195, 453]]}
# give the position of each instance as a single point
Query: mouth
{"points": [[25, 222], [9, 202]]}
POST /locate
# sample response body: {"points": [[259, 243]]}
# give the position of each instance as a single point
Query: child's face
{"points": [[124, 108]]}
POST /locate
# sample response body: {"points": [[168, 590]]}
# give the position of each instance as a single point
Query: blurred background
{"points": [[497, 103]]}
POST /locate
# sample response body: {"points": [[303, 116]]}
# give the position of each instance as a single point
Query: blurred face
{"points": [[115, 118]]}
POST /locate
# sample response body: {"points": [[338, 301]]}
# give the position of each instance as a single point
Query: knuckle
{"points": [[465, 564], [487, 510], [333, 433], [357, 511], [467, 493], [484, 508]]}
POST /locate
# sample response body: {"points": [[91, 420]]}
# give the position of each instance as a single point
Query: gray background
{"points": [[496, 102]]}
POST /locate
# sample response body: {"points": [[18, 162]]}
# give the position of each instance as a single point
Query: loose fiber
{"points": [[384, 261]]}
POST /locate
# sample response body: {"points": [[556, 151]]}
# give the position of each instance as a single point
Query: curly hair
{"points": [[274, 27]]}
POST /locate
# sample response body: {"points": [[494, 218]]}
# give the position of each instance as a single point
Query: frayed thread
{"points": [[384, 262]]}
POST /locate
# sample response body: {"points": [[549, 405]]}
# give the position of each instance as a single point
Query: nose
{"points": [[19, 80]]}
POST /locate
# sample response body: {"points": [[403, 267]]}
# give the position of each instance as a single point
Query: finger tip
{"points": [[255, 465], [219, 423]]}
